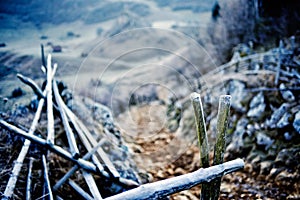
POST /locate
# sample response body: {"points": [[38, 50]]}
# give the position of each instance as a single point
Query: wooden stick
{"points": [[29, 179], [19, 162], [70, 135], [222, 124], [74, 168], [43, 55], [89, 179], [86, 137], [173, 185], [60, 151], [32, 84], [201, 129], [80, 190], [202, 138], [85, 133], [46, 178], [50, 127]]}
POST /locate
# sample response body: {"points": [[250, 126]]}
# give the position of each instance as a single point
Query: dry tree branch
{"points": [[84, 134], [29, 179], [60, 151], [47, 190], [80, 190], [70, 135], [32, 84], [91, 184]]}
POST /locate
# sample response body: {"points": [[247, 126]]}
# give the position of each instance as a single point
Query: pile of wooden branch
{"points": [[95, 162]]}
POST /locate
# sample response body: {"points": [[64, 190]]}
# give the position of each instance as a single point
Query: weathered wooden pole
{"points": [[173, 185], [202, 138], [219, 150]]}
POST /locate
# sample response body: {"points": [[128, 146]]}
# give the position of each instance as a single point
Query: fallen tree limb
{"points": [[75, 168], [173, 185], [32, 84], [29, 179], [69, 133], [47, 189], [84, 134], [80, 190], [60, 151]]}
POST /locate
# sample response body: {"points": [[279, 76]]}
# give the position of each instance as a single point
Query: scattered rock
{"points": [[237, 143], [257, 106], [286, 94], [288, 157], [284, 121], [56, 49], [2, 45], [263, 140], [44, 37], [265, 167], [237, 90], [278, 115], [296, 123], [17, 92]]}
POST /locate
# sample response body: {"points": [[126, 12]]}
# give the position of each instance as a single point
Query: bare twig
{"points": [[89, 179], [85, 133], [29, 179], [173, 185], [86, 138], [80, 190], [222, 124], [43, 55], [70, 135], [46, 178], [32, 84], [74, 168], [60, 151]]}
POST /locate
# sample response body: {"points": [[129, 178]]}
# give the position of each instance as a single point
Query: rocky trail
{"points": [[156, 138]]}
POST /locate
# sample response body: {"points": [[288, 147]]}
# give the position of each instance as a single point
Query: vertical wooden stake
{"points": [[202, 138], [219, 149]]}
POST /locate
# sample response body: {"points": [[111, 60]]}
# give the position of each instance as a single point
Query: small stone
{"points": [[17, 92], [296, 123], [263, 140], [160, 174], [283, 176], [257, 106], [265, 167], [287, 136], [44, 37], [237, 90], [179, 171], [2, 44], [284, 121], [277, 115], [56, 49], [286, 94]]}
